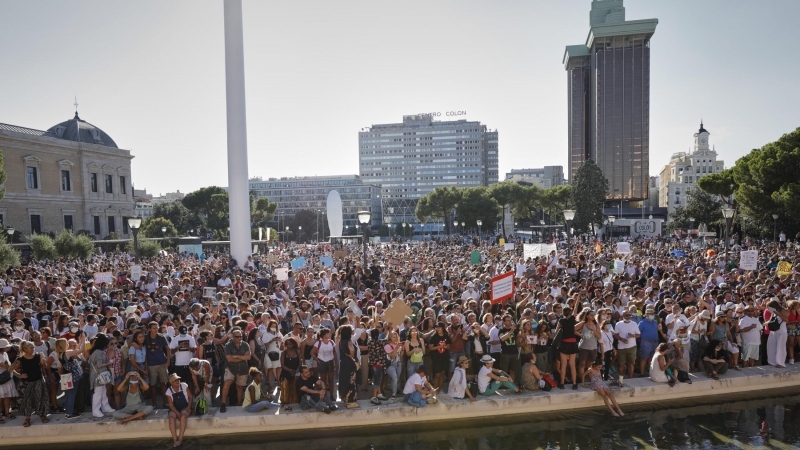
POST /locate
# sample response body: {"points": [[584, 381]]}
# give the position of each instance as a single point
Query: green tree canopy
{"points": [[438, 203], [262, 210], [42, 246], [152, 227], [506, 193], [588, 194], [308, 220], [181, 218], [702, 206], [477, 204], [201, 200], [3, 178]]}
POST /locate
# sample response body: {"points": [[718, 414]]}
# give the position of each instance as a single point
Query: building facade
{"points": [[414, 157], [545, 177], [679, 178], [71, 176], [608, 91], [311, 193]]}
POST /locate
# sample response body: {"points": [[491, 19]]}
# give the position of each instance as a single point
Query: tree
{"points": [[201, 201], [306, 219], [147, 248], [702, 206], [180, 216], [3, 178], [152, 228], [262, 211], [42, 247], [506, 193], [438, 203], [527, 201], [477, 204], [9, 257], [588, 194]]}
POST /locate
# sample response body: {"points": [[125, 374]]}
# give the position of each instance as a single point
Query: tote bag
{"points": [[66, 382]]}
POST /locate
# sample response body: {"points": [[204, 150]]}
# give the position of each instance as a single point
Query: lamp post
{"points": [[423, 229], [728, 214], [479, 222], [389, 225], [363, 219], [163, 235], [611, 220], [10, 231], [285, 233], [299, 232], [455, 225], [404, 230], [463, 224], [774, 227], [569, 214], [691, 226], [134, 223], [541, 233]]}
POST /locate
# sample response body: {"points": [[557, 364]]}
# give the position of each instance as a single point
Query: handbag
{"points": [[557, 339], [702, 342], [66, 382], [274, 356], [103, 378], [5, 377], [773, 324]]}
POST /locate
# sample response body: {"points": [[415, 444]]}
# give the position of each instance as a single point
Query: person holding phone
{"points": [[135, 408]]}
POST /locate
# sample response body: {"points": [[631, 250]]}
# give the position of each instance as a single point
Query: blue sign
{"points": [[298, 263], [326, 261]]}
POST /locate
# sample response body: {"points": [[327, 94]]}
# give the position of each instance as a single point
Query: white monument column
{"points": [[238, 195]]}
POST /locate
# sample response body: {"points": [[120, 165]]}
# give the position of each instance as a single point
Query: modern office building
{"points": [[311, 193], [679, 177], [608, 88], [546, 177], [414, 157], [71, 176]]}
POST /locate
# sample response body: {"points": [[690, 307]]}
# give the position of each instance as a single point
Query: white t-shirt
{"points": [[680, 322], [752, 337], [494, 335], [413, 381], [185, 352], [90, 330], [628, 331], [483, 379], [223, 282], [266, 337], [325, 352]]}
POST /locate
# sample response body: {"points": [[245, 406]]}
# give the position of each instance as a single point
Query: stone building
{"points": [[71, 176]]}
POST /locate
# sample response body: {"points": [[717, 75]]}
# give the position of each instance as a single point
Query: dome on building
{"points": [[89, 133]]}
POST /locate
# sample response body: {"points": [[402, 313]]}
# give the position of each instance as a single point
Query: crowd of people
{"points": [[195, 332]]}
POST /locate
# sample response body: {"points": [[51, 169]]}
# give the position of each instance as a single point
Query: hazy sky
{"points": [[151, 74]]}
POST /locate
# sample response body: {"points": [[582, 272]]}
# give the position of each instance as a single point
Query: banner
{"points": [[509, 246], [299, 263], [784, 268], [326, 261], [502, 287], [282, 273], [475, 258], [748, 260], [623, 248], [136, 272], [536, 250], [209, 292], [103, 277]]}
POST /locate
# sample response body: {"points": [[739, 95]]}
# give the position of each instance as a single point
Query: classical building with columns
{"points": [[71, 176]]}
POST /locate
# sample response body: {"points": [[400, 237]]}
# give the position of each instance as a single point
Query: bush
{"points": [[42, 246], [8, 256], [147, 248], [113, 236], [67, 245], [83, 247]]}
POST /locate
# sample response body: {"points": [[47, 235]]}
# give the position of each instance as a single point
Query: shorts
{"points": [[311, 363], [184, 413], [751, 351], [377, 377], [325, 366], [626, 356], [648, 349], [568, 348], [270, 364], [587, 355], [158, 374], [733, 348], [240, 380], [118, 380], [794, 332]]}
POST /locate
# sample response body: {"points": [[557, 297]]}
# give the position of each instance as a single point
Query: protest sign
{"points": [[475, 257], [103, 277], [272, 259], [255, 249], [282, 273], [748, 260], [209, 292], [299, 263], [502, 241], [509, 246], [136, 272], [340, 254], [326, 261], [494, 251], [784, 268], [396, 312], [394, 262], [619, 266], [415, 265], [536, 250], [623, 248], [502, 287]]}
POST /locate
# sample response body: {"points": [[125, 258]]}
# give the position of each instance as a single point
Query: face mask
{"points": [[628, 320], [134, 381], [651, 317], [609, 327], [554, 322], [20, 327], [602, 317], [73, 329]]}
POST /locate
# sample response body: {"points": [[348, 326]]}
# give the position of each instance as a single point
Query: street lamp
{"points": [[463, 224], [479, 222], [541, 222], [404, 230], [774, 227], [569, 214], [10, 231], [363, 219], [299, 232], [691, 226], [285, 233], [455, 225], [728, 214], [134, 223], [389, 225], [611, 220]]}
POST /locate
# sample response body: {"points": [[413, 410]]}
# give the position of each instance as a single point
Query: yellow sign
{"points": [[784, 268], [502, 241]]}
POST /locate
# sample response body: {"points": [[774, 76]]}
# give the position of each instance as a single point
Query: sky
{"points": [[151, 74]]}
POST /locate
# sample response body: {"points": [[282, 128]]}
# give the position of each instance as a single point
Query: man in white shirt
{"points": [[470, 292], [418, 391], [680, 328], [224, 282], [626, 333], [183, 347], [750, 327]]}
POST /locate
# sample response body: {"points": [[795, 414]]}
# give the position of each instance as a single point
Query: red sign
{"points": [[502, 287]]}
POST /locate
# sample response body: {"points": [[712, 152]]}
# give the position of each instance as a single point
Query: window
{"points": [[125, 225], [66, 183], [109, 184], [33, 178], [122, 189], [96, 225], [94, 182], [36, 223], [112, 225], [68, 222]]}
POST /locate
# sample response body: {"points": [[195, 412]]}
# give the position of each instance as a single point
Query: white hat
{"points": [[130, 310], [487, 359], [4, 343]]}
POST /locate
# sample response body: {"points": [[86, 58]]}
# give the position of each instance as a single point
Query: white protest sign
{"points": [[209, 292], [509, 246], [748, 260], [623, 248], [103, 277], [619, 266], [136, 272], [282, 273], [536, 250]]}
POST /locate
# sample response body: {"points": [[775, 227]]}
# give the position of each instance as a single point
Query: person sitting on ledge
{"points": [[490, 379], [135, 408], [459, 388], [418, 391], [714, 359], [312, 392], [254, 398]]}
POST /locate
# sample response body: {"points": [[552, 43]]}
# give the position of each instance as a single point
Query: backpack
{"points": [[201, 407]]}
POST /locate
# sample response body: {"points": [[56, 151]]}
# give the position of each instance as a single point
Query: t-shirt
{"points": [[681, 328], [483, 379], [649, 330], [325, 352], [155, 350], [184, 346], [309, 383], [626, 331], [439, 340], [413, 381], [751, 337], [508, 346]]}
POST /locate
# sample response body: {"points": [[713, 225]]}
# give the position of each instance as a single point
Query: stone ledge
{"points": [[236, 421]]}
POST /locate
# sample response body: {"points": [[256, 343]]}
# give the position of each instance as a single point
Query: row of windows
{"points": [[36, 224], [32, 179]]}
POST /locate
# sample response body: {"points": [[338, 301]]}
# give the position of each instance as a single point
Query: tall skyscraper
{"points": [[608, 87], [412, 158]]}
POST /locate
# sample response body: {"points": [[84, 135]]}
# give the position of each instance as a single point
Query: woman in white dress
{"points": [[7, 389], [659, 364]]}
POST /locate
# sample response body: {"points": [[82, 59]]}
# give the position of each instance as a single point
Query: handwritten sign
{"points": [[536, 250], [475, 257], [136, 272], [209, 292], [502, 287], [619, 266], [394, 262], [299, 263], [623, 248], [326, 261], [103, 277], [282, 273], [784, 268], [416, 265], [396, 312], [509, 246], [340, 254], [748, 260]]}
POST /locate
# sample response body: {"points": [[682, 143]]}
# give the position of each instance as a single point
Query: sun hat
{"points": [[487, 359]]}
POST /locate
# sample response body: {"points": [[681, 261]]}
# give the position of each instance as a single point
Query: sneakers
{"points": [[382, 397], [73, 415], [791, 361], [433, 400], [223, 408], [334, 407], [375, 401], [574, 387], [352, 405], [326, 410], [560, 386]]}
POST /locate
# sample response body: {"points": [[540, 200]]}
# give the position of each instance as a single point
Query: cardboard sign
{"points": [[103, 277], [502, 287], [748, 260], [255, 249], [282, 273], [209, 292], [475, 257], [326, 261], [494, 251], [784, 268], [509, 246], [396, 312], [272, 259], [340, 254], [623, 248], [502, 241], [136, 272], [299, 263]]}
